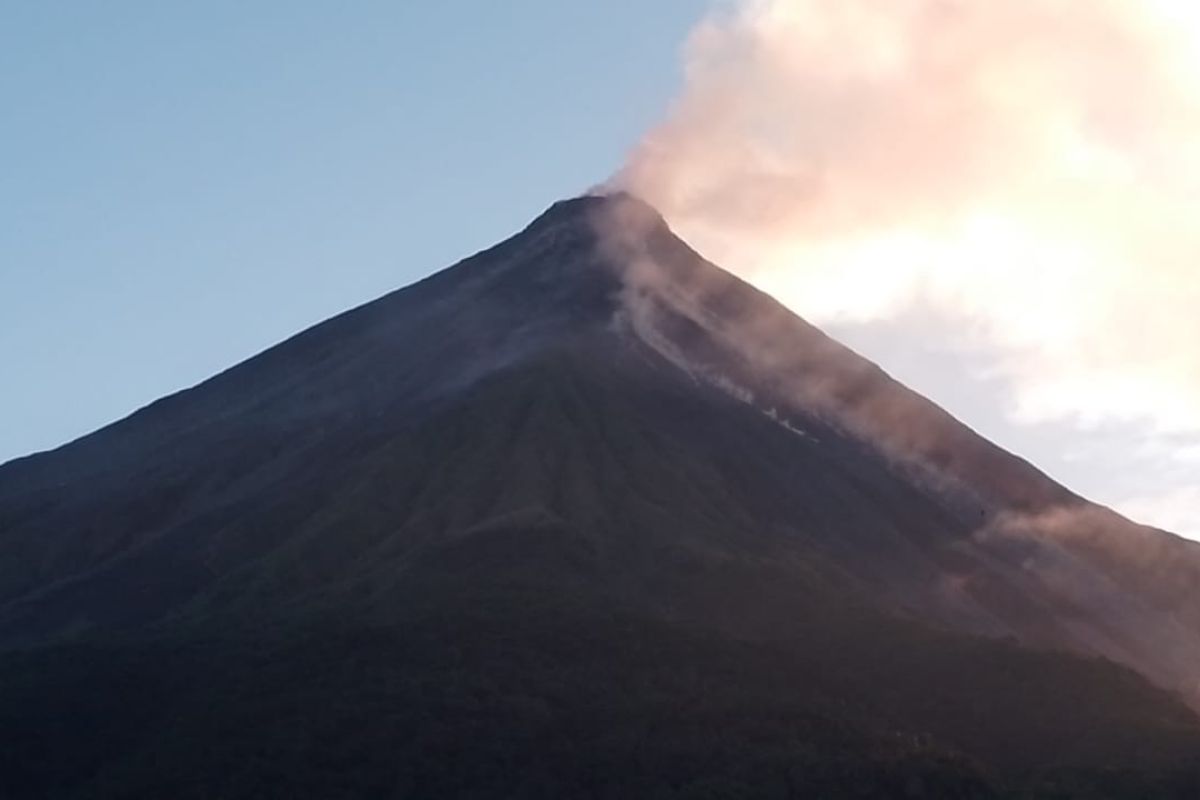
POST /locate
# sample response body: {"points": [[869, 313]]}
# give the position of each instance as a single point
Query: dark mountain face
{"points": [[580, 516]]}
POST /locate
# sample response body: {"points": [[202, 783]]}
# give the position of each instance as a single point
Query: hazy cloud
{"points": [[1031, 166]]}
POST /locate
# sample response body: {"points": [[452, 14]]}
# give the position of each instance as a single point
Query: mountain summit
{"points": [[582, 515]]}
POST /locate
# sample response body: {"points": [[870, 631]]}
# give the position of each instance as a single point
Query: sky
{"points": [[186, 184]]}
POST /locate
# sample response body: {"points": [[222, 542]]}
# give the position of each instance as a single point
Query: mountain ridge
{"points": [[607, 242], [585, 441]]}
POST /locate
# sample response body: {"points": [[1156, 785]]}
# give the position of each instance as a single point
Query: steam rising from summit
{"points": [[1028, 169]]}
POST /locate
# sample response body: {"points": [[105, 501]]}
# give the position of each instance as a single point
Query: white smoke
{"points": [[1030, 167]]}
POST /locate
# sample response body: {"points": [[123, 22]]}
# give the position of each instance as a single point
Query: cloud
{"points": [[1174, 509], [1030, 168], [1033, 165]]}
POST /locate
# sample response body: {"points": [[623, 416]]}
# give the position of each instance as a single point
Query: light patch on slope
{"points": [[635, 319]]}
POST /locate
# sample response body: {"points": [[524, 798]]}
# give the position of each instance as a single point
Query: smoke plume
{"points": [[1030, 168]]}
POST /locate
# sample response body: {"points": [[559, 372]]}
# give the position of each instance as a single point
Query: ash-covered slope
{"points": [[583, 499], [1023, 550]]}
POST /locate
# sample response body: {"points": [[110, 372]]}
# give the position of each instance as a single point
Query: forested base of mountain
{"points": [[513, 693]]}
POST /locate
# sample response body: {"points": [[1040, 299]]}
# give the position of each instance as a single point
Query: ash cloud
{"points": [[1030, 167]]}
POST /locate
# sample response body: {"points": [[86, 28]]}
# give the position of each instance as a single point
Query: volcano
{"points": [[580, 516]]}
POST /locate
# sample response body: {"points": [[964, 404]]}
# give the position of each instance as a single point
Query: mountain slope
{"points": [[582, 499]]}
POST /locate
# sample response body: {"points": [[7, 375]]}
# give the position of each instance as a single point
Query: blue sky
{"points": [[185, 184]]}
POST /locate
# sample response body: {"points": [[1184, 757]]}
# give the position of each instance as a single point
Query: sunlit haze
{"points": [[994, 195]]}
